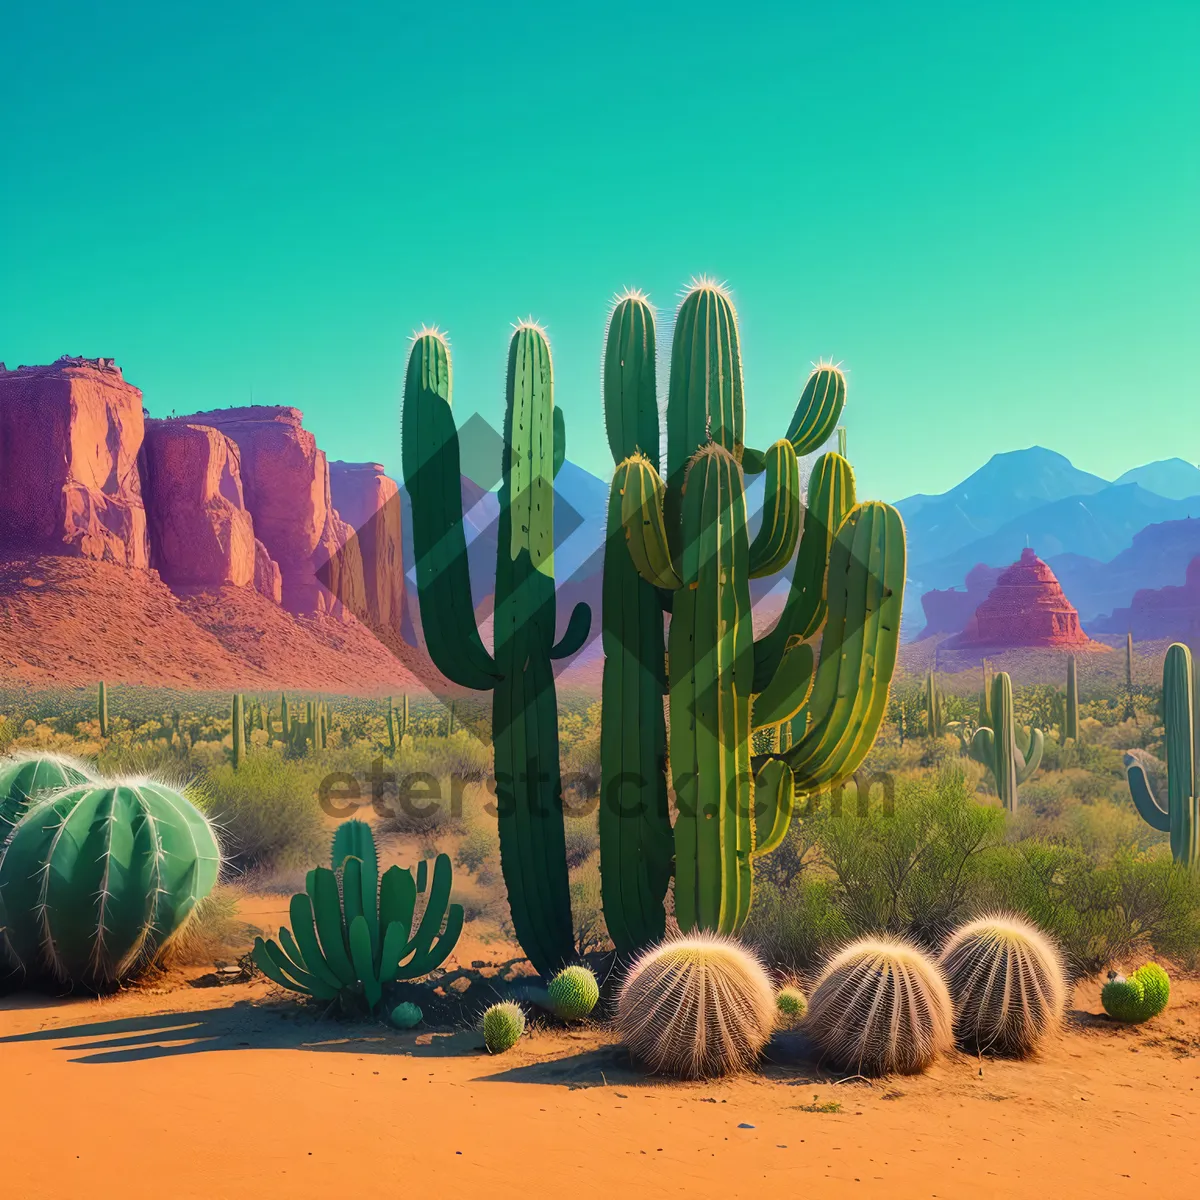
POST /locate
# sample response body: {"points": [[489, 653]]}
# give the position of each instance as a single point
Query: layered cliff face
{"points": [[69, 440], [370, 503], [1169, 613], [948, 610]]}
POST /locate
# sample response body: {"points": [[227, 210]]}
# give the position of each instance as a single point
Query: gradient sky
{"points": [[989, 212]]}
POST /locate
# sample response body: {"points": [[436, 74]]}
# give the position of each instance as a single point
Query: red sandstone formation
{"points": [[947, 610], [286, 481], [201, 533], [1026, 607], [268, 580], [370, 503], [1169, 613], [69, 440]]}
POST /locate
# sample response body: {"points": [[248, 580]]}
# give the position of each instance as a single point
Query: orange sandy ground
{"points": [[181, 1091]]}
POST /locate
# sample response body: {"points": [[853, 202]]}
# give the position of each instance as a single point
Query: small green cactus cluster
{"points": [[96, 876], [406, 1015], [1010, 753], [1142, 995], [573, 993], [792, 1004], [696, 1006], [347, 943], [502, 1026]]}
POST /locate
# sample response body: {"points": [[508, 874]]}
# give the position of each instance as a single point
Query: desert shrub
{"points": [[266, 812], [214, 930], [587, 911], [582, 833], [792, 926], [479, 847]]}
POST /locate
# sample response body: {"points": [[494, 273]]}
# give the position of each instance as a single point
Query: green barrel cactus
{"points": [[1180, 815], [688, 536], [346, 943], [98, 877], [24, 778], [502, 1026], [519, 672], [573, 993], [406, 1015], [999, 747], [1143, 995]]}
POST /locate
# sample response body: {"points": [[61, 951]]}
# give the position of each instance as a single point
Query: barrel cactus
{"points": [[573, 993], [98, 877], [26, 777], [1007, 982], [406, 1015], [881, 1006], [502, 1026], [1142, 996], [695, 1007]]}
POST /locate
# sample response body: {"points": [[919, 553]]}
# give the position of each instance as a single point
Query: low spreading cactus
{"points": [[791, 1003], [502, 1026], [881, 1006], [1142, 996], [696, 1006], [573, 993], [407, 1015], [1007, 983]]}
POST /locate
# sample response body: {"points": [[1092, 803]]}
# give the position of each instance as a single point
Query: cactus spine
{"points": [[997, 747], [1071, 711], [238, 729], [102, 708], [689, 536], [1180, 816], [96, 878], [519, 673]]}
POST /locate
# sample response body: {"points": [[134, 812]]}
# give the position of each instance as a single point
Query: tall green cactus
{"points": [[935, 725], [102, 708], [1071, 706], [1130, 711], [519, 671], [238, 729], [689, 536], [1180, 816], [999, 747], [285, 718], [95, 879]]}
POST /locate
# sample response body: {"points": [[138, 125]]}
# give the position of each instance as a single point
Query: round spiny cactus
{"points": [[1142, 996], [881, 1006], [502, 1026], [696, 1006], [573, 993], [26, 777], [1007, 983], [791, 1003], [407, 1015]]}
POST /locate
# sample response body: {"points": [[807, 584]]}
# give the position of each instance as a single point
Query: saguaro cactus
{"points": [[934, 723], [1130, 711], [690, 537], [998, 747], [238, 729], [102, 708], [519, 671], [1071, 709], [1180, 816], [96, 878]]}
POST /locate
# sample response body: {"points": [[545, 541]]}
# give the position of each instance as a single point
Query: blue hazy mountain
{"points": [[1170, 477]]}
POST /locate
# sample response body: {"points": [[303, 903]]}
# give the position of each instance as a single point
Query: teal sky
{"points": [[988, 212]]}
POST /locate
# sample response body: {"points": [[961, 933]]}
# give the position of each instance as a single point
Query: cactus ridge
{"points": [[881, 1006], [696, 1006], [1007, 982]]}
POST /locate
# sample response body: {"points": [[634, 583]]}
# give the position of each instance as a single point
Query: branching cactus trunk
{"points": [[519, 672], [998, 748], [690, 537], [1180, 815]]}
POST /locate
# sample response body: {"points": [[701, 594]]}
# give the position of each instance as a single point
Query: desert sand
{"points": [[180, 1090]]}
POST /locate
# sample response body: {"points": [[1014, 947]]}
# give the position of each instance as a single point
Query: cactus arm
{"points": [[397, 898], [776, 540], [327, 915], [560, 440], [818, 409], [395, 948], [642, 499], [858, 648], [1149, 807], [433, 476], [1032, 760], [789, 689], [754, 462], [830, 499], [982, 748], [579, 625], [775, 798], [301, 914], [629, 383], [352, 891], [270, 960], [359, 939]]}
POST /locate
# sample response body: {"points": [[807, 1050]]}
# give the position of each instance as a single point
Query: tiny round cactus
{"points": [[696, 1007], [502, 1026], [1142, 996], [573, 993], [791, 1003], [881, 1006], [1007, 983], [407, 1015]]}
